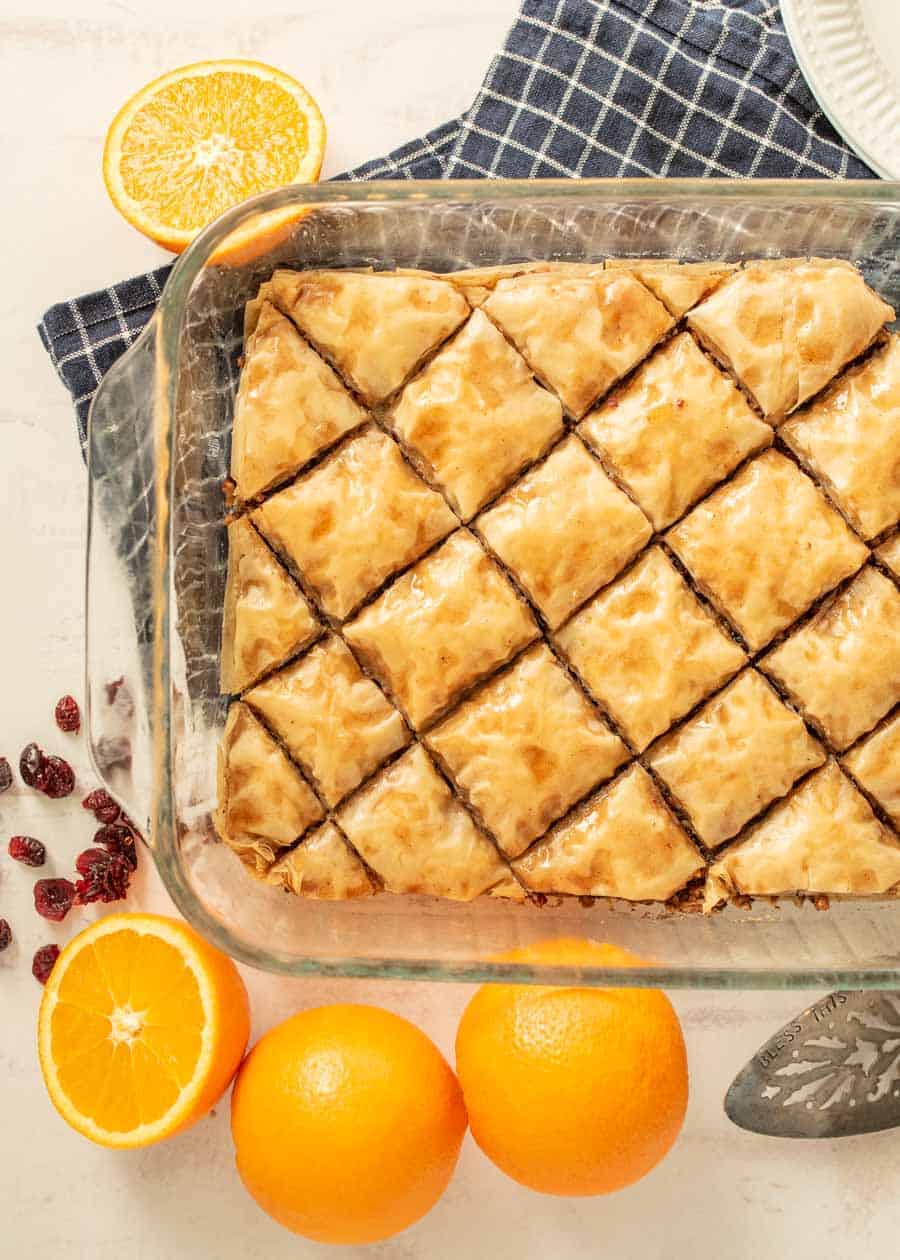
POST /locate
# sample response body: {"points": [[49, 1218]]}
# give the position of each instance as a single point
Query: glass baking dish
{"points": [[158, 454]]}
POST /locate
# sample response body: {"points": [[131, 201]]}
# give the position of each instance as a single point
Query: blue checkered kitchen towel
{"points": [[580, 88]]}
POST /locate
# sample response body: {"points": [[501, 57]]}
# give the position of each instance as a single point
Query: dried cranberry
{"points": [[56, 778], [53, 898], [86, 860], [5, 935], [119, 839], [112, 688], [101, 805], [68, 714], [6, 775], [105, 876], [112, 752], [50, 775], [118, 693], [43, 962], [30, 763], [28, 850]]}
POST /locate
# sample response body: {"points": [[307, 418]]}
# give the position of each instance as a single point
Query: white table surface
{"points": [[382, 74]]}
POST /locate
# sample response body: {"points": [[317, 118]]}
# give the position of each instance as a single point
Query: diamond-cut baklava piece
{"points": [[525, 747], [564, 530], [579, 334], [354, 521], [785, 329], [375, 328], [622, 842], [738, 753], [843, 667], [475, 417], [441, 627], [850, 439], [290, 405], [324, 867], [266, 619], [415, 835], [334, 721], [765, 546], [875, 763], [648, 649], [832, 317], [675, 429], [679, 286], [742, 323], [889, 554], [823, 839], [264, 802]]}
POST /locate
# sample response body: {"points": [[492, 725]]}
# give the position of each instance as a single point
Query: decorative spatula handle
{"points": [[833, 1071]]}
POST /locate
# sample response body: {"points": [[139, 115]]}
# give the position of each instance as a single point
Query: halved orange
{"points": [[142, 1026], [204, 137]]}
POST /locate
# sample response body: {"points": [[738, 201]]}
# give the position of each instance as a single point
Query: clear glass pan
{"points": [[159, 438]]}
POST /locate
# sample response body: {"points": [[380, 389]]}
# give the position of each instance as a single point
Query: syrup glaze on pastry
{"points": [[566, 578]]}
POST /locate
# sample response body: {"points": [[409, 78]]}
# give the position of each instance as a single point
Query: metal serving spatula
{"points": [[833, 1071]]}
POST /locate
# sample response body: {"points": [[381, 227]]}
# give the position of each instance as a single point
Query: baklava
{"points": [[566, 580]]}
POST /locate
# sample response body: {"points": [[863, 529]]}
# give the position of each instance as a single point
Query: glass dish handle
{"points": [[119, 600]]}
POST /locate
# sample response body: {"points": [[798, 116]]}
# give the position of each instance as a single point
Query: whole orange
{"points": [[347, 1123], [571, 1090]]}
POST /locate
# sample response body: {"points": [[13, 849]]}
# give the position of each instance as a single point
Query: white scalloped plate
{"points": [[849, 53]]}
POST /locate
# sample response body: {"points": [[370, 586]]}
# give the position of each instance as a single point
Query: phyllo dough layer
{"points": [[564, 530], [264, 802], [417, 837], [875, 764], [738, 753], [766, 546], [525, 747], [266, 618], [823, 839], [290, 406], [441, 627], [475, 416], [323, 866], [622, 842], [787, 329], [354, 520], [579, 334], [675, 430], [334, 721], [843, 667], [648, 649], [850, 439], [374, 327]]}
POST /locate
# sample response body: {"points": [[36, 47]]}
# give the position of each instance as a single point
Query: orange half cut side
{"points": [[205, 137], [141, 1027]]}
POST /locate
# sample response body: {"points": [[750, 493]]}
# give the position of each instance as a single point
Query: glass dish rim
{"points": [[163, 332]]}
